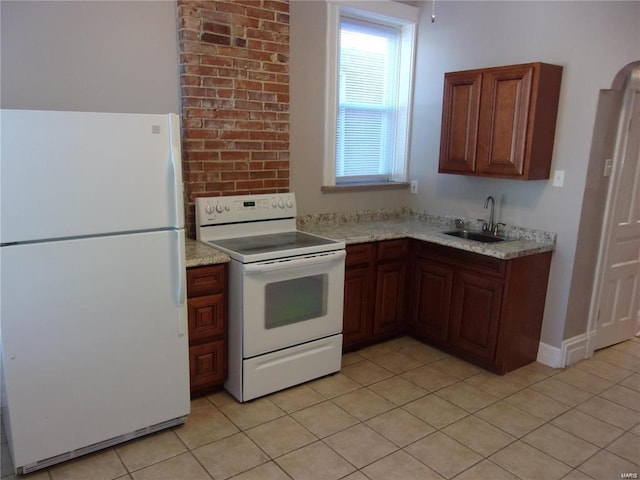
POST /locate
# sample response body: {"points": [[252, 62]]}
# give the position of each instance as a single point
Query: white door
{"points": [[618, 303]]}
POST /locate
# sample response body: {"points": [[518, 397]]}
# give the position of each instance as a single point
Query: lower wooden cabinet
{"points": [[357, 318], [475, 314], [207, 366], [432, 286], [391, 279], [207, 309], [486, 310], [375, 292]]}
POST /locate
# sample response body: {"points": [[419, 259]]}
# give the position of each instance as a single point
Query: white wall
{"points": [[111, 56], [592, 40]]}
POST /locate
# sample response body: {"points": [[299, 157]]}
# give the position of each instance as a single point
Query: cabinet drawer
{"points": [[480, 263], [205, 280], [360, 253], [392, 250], [207, 364], [460, 258], [206, 316]]}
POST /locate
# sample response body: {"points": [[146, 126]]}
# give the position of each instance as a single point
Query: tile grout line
{"points": [[287, 414], [521, 438]]}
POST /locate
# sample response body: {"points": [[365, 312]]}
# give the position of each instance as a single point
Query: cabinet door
{"points": [[358, 294], [206, 317], [390, 298], [460, 112], [207, 365], [357, 321], [504, 120], [475, 317], [433, 284]]}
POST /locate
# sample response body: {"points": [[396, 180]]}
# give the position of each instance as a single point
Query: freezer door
{"points": [[67, 174], [93, 340]]}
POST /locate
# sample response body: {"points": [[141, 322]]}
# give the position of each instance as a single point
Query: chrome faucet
{"points": [[490, 226]]}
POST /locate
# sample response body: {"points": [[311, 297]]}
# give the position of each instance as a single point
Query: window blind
{"points": [[368, 76]]}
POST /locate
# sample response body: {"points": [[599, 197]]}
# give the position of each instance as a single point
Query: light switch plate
{"points": [[558, 178]]}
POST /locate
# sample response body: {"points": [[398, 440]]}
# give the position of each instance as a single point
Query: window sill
{"points": [[357, 187]]}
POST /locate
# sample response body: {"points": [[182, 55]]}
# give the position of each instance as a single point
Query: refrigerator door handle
{"points": [[176, 167], [181, 275]]}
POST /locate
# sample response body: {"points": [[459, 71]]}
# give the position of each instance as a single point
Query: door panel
{"points": [[357, 305], [460, 122], [390, 298], [206, 316], [503, 122], [433, 283], [618, 314], [207, 364], [476, 315]]}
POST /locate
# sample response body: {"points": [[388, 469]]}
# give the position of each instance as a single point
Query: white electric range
{"points": [[286, 291]]}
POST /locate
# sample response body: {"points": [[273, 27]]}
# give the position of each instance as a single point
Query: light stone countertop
{"points": [[198, 254], [373, 226], [370, 226]]}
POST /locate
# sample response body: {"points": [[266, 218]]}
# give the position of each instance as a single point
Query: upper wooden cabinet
{"points": [[500, 122]]}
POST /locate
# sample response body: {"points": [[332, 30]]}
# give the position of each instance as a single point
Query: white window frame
{"points": [[385, 12]]}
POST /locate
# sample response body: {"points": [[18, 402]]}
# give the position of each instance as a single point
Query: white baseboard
{"points": [[573, 350], [550, 356]]}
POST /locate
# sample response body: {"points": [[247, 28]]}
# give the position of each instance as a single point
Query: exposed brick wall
{"points": [[234, 79]]}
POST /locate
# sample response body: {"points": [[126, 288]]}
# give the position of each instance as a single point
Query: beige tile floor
{"points": [[401, 410]]}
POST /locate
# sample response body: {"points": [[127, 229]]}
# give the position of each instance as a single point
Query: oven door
{"points": [[290, 301]]}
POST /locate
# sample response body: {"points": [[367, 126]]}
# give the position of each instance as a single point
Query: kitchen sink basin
{"points": [[477, 236]]}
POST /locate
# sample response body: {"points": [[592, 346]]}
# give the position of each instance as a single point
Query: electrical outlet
{"points": [[414, 186], [558, 178]]}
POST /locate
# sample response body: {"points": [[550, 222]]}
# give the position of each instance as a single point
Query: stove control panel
{"points": [[244, 208]]}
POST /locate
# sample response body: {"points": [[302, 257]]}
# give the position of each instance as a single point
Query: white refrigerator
{"points": [[92, 269]]}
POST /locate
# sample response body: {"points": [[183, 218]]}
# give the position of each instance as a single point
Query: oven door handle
{"points": [[273, 265]]}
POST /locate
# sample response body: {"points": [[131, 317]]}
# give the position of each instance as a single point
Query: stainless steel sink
{"points": [[477, 236]]}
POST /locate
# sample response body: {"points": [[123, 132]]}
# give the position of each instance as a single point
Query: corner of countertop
{"points": [[199, 255]]}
